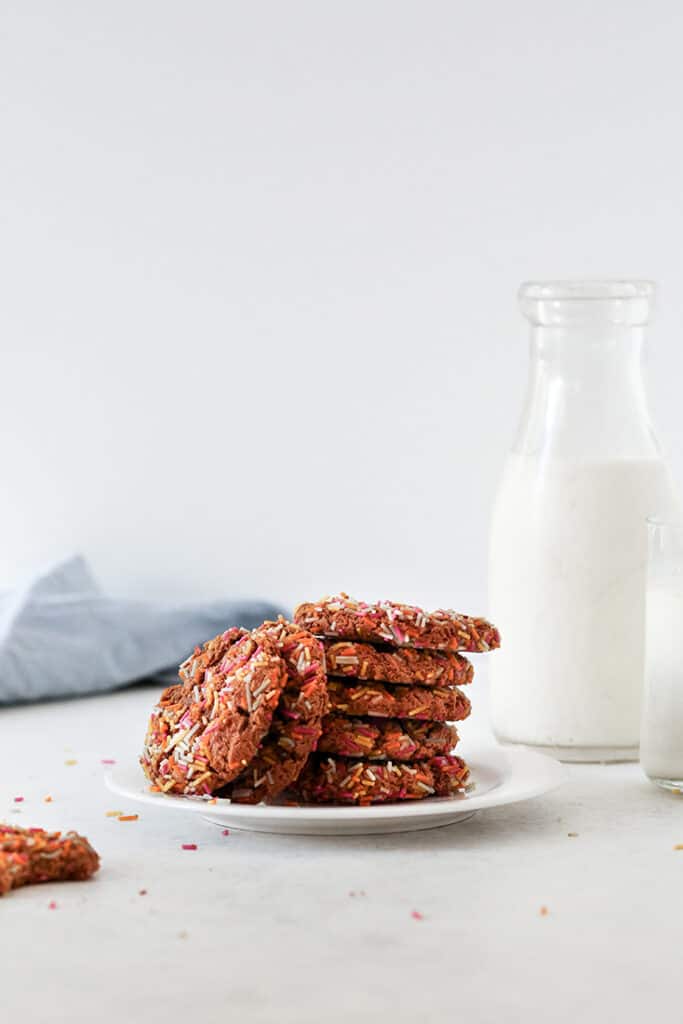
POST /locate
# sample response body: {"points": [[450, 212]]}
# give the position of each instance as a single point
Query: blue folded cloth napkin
{"points": [[60, 635]]}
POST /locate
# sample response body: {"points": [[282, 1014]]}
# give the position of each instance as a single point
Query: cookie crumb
{"points": [[543, 911], [47, 799], [678, 846], [573, 835], [70, 761], [142, 892], [182, 935]]}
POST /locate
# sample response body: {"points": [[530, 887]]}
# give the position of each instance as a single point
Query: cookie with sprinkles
{"points": [[386, 739], [336, 780], [297, 721], [401, 625], [204, 734], [383, 663], [30, 855], [379, 700]]}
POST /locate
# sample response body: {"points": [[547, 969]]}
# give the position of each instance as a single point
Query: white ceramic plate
{"points": [[499, 777]]}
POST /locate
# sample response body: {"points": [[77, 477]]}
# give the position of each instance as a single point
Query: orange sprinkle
{"points": [[128, 817], [47, 799], [543, 911]]}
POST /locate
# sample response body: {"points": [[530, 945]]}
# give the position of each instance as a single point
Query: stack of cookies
{"points": [[393, 678], [350, 703]]}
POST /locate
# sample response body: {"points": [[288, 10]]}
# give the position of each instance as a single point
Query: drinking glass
{"points": [[661, 737]]}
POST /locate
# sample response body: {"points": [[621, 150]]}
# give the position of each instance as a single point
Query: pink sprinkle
{"points": [[189, 846], [107, 760], [52, 905], [18, 799], [416, 915], [226, 832]]}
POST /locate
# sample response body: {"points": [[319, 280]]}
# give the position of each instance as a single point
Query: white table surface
{"points": [[259, 928]]}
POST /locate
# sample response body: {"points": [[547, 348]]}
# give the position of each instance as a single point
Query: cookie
{"points": [[297, 722], [377, 700], [398, 624], [29, 855], [386, 739], [383, 663], [203, 734], [335, 780]]}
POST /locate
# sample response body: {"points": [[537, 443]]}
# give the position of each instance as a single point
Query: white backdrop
{"points": [[259, 262]]}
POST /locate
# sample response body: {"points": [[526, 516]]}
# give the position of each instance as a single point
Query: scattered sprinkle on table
{"points": [[128, 817], [47, 799], [18, 799], [416, 915], [107, 760], [573, 835], [543, 911], [113, 814], [189, 846], [71, 761], [143, 892], [52, 905], [226, 832]]}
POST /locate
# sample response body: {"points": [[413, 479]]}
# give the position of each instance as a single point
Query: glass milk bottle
{"points": [[569, 540]]}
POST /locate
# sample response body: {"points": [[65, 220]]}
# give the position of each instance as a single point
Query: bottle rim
{"points": [[621, 302]]}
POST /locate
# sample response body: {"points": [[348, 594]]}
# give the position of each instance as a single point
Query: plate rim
{"points": [[519, 782]]}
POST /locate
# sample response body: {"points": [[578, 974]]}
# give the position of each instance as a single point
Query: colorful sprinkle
{"points": [[52, 905], [113, 814], [226, 832], [543, 911], [71, 761], [18, 799], [47, 799], [189, 846], [107, 760], [416, 915], [128, 817]]}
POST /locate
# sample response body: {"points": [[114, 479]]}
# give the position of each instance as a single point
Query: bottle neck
{"points": [[586, 397]]}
